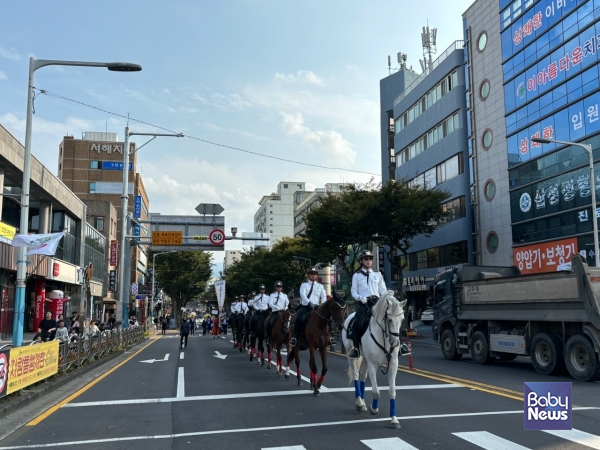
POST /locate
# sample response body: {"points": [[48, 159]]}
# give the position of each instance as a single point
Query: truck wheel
{"points": [[546, 354], [480, 349], [581, 359], [449, 346]]}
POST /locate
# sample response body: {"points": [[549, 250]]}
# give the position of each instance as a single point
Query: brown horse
{"points": [[316, 336], [280, 335]]}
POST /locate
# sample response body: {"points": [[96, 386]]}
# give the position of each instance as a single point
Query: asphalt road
{"points": [[195, 399]]}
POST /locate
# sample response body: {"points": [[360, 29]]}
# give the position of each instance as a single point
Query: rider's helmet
{"points": [[278, 284], [236, 298], [242, 298], [365, 254], [313, 270], [262, 287], [253, 294]]}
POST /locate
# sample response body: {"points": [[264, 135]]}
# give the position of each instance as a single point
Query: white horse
{"points": [[378, 346]]}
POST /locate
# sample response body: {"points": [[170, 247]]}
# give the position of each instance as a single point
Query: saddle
{"points": [[360, 327]]}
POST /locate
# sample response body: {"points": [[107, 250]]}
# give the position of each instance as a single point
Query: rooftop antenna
{"points": [[402, 57], [428, 40], [389, 65]]}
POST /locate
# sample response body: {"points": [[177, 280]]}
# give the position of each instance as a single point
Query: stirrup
{"points": [[404, 349], [293, 341], [332, 341]]}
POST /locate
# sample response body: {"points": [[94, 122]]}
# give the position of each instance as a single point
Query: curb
{"points": [[45, 387]]}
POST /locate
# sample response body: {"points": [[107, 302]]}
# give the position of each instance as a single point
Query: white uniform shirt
{"points": [[278, 301], [366, 286], [235, 307], [250, 303], [261, 302], [243, 307], [317, 295]]}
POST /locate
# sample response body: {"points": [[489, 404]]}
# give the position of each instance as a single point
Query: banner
{"points": [[545, 257], [23, 366], [40, 303], [40, 244], [220, 290], [113, 253]]}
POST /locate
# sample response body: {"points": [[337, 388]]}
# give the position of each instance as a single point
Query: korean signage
{"points": [[7, 233], [23, 366], [113, 252], [167, 237], [410, 281], [544, 257], [114, 165], [137, 207], [112, 280], [111, 187], [136, 230], [107, 148]]}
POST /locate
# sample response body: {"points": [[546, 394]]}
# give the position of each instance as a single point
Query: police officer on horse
{"points": [[278, 301], [312, 294], [260, 305]]}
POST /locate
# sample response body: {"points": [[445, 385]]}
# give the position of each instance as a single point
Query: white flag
{"points": [[40, 244], [220, 290]]}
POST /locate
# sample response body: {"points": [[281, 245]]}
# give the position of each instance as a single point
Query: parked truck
{"points": [[495, 312]]}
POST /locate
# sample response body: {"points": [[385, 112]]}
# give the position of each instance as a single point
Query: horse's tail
{"points": [[353, 368]]}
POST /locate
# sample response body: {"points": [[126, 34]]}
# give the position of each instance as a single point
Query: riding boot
{"points": [[355, 352]]}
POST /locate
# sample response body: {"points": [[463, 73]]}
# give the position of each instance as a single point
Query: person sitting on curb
{"points": [[94, 330], [62, 332]]}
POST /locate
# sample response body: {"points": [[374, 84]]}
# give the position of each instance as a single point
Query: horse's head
{"points": [[338, 311], [286, 318], [393, 317]]}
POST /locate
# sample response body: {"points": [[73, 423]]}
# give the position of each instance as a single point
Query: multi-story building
{"points": [[305, 200], [276, 212], [424, 140], [53, 283], [231, 257], [537, 62], [92, 167]]}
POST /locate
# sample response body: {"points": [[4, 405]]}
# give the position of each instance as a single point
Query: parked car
{"points": [[427, 316]]}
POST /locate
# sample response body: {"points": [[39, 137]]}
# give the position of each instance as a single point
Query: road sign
{"points": [[167, 237], [216, 237], [134, 288], [200, 238], [137, 207], [213, 209]]}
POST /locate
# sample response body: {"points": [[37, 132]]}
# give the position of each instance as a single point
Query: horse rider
{"points": [[243, 308], [261, 304], [251, 300], [235, 306], [312, 294], [367, 286], [278, 301]]}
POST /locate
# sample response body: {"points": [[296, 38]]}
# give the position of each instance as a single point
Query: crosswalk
{"points": [[481, 439]]}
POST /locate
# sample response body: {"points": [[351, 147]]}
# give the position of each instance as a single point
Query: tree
{"points": [[184, 276]]}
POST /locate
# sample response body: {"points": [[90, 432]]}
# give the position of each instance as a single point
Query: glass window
{"points": [[487, 140], [99, 223], [482, 41], [94, 164], [92, 187], [430, 178], [455, 119], [492, 242], [422, 259], [489, 190], [433, 257], [484, 89]]}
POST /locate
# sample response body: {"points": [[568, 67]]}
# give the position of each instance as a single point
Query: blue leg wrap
{"points": [[375, 403], [362, 389], [356, 389], [392, 407]]}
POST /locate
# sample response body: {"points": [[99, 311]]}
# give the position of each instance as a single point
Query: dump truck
{"points": [[498, 313]]}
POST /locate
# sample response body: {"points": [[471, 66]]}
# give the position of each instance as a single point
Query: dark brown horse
{"points": [[280, 335], [315, 335]]}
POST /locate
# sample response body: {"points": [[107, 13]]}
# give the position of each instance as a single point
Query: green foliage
{"points": [[184, 275]]}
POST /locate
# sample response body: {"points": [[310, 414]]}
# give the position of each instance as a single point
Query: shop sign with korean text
{"points": [[29, 364], [113, 253], [544, 257]]}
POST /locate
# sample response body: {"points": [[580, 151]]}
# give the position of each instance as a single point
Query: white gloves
{"points": [[363, 300]]}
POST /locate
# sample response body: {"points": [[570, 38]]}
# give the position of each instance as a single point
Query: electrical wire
{"points": [[50, 94]]}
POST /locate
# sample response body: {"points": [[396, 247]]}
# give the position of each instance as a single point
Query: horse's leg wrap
{"points": [[375, 401], [321, 378], [392, 407], [357, 389], [269, 356], [362, 389]]}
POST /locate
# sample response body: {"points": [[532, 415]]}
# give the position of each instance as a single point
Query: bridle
{"points": [[325, 319], [386, 334]]}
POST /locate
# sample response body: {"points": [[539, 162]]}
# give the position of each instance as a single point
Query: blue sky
{"points": [[296, 80]]}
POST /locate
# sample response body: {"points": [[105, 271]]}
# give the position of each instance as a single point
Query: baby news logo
{"points": [[548, 406]]}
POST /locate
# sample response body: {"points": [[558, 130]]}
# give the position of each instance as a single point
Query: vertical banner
{"points": [[137, 207], [113, 253], [40, 303], [28, 365], [112, 281], [220, 290]]}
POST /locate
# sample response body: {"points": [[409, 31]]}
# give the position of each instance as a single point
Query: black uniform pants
{"points": [[184, 336], [301, 317], [271, 324]]}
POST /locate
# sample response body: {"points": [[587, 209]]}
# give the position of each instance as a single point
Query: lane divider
{"points": [[59, 405]]}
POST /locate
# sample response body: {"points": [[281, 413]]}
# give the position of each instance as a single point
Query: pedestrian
{"points": [[164, 325], [224, 326], [155, 325], [184, 331], [112, 322], [47, 327], [192, 326], [215, 327], [62, 332], [75, 322]]}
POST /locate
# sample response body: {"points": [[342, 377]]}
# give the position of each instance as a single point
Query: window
{"points": [[489, 190], [433, 257], [270, 212], [482, 41], [422, 259], [488, 138], [455, 209], [94, 164], [484, 90], [299, 186], [99, 223], [92, 187], [491, 242], [285, 186]]}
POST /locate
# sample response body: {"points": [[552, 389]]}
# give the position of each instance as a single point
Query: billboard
{"points": [[544, 257]]}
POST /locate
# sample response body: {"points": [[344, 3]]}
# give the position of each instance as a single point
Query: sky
{"points": [[293, 80]]}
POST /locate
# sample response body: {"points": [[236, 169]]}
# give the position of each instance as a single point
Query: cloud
{"points": [[3, 76], [225, 102], [351, 67], [166, 91], [258, 137], [187, 110], [302, 76], [332, 144], [10, 53]]}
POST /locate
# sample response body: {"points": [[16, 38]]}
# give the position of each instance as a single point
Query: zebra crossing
{"points": [[481, 439]]}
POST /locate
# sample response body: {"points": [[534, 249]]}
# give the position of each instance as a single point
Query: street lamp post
{"points": [[588, 149], [35, 64], [154, 275]]}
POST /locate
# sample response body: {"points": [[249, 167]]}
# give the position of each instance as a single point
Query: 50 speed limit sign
{"points": [[216, 237]]}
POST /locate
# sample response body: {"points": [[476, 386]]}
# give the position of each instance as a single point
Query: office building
{"points": [[305, 200], [231, 257], [275, 214]]}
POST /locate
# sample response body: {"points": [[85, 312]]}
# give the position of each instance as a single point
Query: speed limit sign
{"points": [[216, 237]]}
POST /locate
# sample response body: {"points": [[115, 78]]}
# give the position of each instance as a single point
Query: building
{"points": [[541, 59], [92, 168], [275, 214], [305, 200], [231, 257], [53, 283], [424, 140]]}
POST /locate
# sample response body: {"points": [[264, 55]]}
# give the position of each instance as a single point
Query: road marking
{"points": [[489, 441], [150, 361], [293, 447], [580, 437], [249, 395], [180, 384], [273, 428], [59, 405], [218, 355], [388, 444], [181, 354]]}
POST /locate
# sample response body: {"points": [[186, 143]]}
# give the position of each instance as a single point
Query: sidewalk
{"points": [[27, 339]]}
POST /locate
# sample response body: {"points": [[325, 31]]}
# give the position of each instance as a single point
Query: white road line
{"points": [[180, 384], [249, 395], [388, 444], [489, 441], [293, 447], [274, 428], [181, 355], [580, 437]]}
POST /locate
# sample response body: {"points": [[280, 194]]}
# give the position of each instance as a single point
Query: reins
{"points": [[386, 333]]}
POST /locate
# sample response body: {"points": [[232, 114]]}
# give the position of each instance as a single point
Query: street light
{"points": [[588, 149], [35, 64], [153, 275]]}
